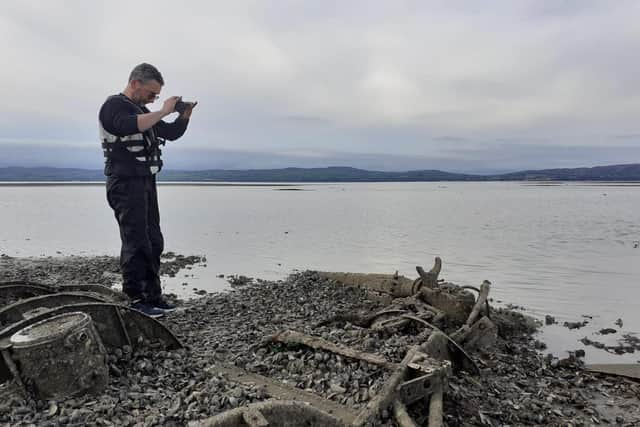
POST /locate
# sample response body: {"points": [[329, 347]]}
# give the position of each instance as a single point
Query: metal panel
{"points": [[17, 311]]}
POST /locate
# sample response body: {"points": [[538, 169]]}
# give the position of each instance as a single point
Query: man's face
{"points": [[146, 93]]}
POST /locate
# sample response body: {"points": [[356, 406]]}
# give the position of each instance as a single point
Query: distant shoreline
{"points": [[169, 183], [332, 174], [527, 183]]}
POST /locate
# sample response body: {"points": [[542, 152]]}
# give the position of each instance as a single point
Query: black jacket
{"points": [[127, 151]]}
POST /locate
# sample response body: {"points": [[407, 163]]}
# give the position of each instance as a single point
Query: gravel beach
{"points": [[518, 385]]}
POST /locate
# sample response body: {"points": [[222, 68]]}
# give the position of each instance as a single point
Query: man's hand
{"points": [[187, 112], [169, 105], [148, 120]]}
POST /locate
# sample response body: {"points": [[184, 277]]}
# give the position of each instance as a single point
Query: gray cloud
{"points": [[395, 79]]}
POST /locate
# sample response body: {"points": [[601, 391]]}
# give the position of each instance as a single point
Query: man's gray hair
{"points": [[145, 73]]}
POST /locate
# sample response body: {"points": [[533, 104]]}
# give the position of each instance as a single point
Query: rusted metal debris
{"points": [[28, 307], [21, 289], [60, 357], [422, 374], [427, 304], [294, 337], [436, 407], [402, 416], [430, 278], [415, 378], [389, 284], [482, 299], [421, 377], [280, 413], [387, 394], [280, 391], [116, 324]]}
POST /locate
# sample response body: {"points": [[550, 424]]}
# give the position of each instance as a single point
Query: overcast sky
{"points": [[454, 85]]}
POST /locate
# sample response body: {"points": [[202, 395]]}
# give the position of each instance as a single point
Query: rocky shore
{"points": [[518, 383]]}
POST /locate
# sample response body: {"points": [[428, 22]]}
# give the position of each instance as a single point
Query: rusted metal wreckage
{"points": [[53, 339], [38, 318], [421, 377]]}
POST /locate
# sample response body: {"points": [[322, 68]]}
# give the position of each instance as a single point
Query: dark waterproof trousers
{"points": [[134, 201]]}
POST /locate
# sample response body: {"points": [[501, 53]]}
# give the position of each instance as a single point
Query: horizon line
{"points": [[337, 167]]}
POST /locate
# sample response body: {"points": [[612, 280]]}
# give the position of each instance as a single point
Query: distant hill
{"points": [[630, 172], [330, 174], [49, 174]]}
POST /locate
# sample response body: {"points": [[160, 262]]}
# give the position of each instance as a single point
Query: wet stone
{"points": [[575, 325]]}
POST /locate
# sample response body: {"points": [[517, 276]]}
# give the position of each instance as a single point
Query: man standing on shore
{"points": [[131, 137]]}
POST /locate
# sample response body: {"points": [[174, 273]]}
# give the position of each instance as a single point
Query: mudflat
{"points": [[228, 332]]}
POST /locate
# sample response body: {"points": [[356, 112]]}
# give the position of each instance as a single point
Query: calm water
{"points": [[565, 250]]}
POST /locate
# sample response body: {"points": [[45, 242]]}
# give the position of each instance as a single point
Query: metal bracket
{"points": [[418, 388], [428, 374]]}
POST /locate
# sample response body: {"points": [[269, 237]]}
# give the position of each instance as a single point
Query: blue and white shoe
{"points": [[147, 309], [162, 304]]}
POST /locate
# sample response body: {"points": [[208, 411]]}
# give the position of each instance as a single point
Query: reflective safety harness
{"points": [[142, 148]]}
